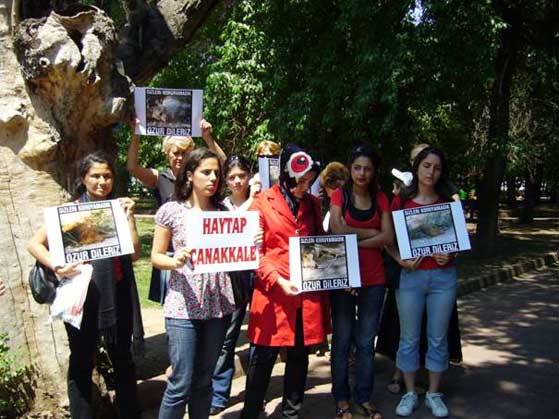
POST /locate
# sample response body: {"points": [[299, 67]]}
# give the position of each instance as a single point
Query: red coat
{"points": [[272, 313]]}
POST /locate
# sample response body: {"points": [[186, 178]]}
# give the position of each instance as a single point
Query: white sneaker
{"points": [[408, 403], [434, 401]]}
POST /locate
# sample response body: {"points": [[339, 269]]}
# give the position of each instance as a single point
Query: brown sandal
{"points": [[370, 412], [343, 412]]}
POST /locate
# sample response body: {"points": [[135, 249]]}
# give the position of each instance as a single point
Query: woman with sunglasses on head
{"points": [[236, 173], [111, 310], [281, 316], [197, 307], [359, 208], [426, 284]]}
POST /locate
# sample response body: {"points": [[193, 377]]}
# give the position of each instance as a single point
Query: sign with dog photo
{"points": [[321, 263], [87, 231], [174, 112], [438, 228]]}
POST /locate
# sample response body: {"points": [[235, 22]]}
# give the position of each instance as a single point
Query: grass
{"points": [[142, 267]]}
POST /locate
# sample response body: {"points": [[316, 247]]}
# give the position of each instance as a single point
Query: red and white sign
{"points": [[222, 241]]}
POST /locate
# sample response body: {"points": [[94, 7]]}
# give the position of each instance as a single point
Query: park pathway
{"points": [[510, 369]]}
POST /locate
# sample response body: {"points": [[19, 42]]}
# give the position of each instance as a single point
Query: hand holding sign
{"points": [[441, 258], [181, 257], [411, 264], [288, 287]]}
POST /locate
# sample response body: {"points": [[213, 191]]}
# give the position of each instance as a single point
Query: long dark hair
{"points": [[365, 150], [183, 186], [85, 164], [440, 186], [236, 161]]}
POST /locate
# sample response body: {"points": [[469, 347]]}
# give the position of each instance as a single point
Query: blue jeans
{"points": [[225, 367], [194, 347], [434, 290], [343, 308]]}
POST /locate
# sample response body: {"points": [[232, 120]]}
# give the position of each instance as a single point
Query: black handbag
{"points": [[43, 283]]}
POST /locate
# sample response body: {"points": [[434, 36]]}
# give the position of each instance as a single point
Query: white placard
{"points": [[438, 228], [319, 263], [269, 171], [222, 241], [87, 231], [174, 112]]}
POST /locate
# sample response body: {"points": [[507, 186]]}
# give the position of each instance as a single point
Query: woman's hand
{"points": [[181, 257], [206, 128], [255, 186], [128, 205], [67, 271], [288, 287], [411, 264], [352, 291], [441, 258]]}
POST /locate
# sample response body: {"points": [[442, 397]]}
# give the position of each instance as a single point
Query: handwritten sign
{"points": [[222, 241]]}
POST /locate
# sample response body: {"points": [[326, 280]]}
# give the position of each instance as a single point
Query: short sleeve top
{"points": [[428, 262], [371, 265], [192, 296]]}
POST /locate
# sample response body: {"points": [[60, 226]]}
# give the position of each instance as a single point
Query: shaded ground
{"points": [[510, 369]]}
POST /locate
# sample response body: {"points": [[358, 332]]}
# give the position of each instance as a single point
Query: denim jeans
{"points": [[368, 304], [435, 291], [194, 347], [225, 367]]}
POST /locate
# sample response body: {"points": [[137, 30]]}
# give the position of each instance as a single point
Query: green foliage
{"points": [[14, 399], [327, 74]]}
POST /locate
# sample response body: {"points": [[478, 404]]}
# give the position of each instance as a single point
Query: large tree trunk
{"points": [[61, 91], [499, 122]]}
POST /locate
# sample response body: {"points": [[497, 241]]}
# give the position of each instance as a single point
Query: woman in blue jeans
{"points": [[426, 283], [197, 307], [237, 177], [359, 208]]}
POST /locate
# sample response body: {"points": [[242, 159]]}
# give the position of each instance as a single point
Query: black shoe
{"points": [[216, 410]]}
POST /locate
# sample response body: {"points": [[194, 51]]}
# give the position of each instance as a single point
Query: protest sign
{"points": [[174, 112], [222, 241], [269, 171], [87, 231], [319, 263], [423, 231]]}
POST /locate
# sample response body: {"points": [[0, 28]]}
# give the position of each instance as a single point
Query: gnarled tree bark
{"points": [[65, 80]]}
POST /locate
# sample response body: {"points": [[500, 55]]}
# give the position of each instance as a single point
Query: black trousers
{"points": [[83, 347], [260, 367]]}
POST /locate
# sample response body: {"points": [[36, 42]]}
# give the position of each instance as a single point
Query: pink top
{"points": [[197, 296]]}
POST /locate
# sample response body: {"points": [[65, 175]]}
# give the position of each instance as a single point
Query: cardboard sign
{"points": [[438, 228], [320, 263], [269, 170], [222, 241], [174, 112], [87, 231]]}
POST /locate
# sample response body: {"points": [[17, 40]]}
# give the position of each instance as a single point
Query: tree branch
{"points": [[155, 32]]}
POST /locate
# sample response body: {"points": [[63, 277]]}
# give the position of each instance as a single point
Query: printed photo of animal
{"points": [[323, 261], [169, 111], [431, 229], [87, 229]]}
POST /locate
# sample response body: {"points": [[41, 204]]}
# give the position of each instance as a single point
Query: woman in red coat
{"points": [[280, 316]]}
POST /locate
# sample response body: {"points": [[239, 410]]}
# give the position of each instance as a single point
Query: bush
{"points": [[14, 397]]}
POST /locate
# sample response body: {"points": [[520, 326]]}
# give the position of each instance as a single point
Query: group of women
{"points": [[203, 313]]}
